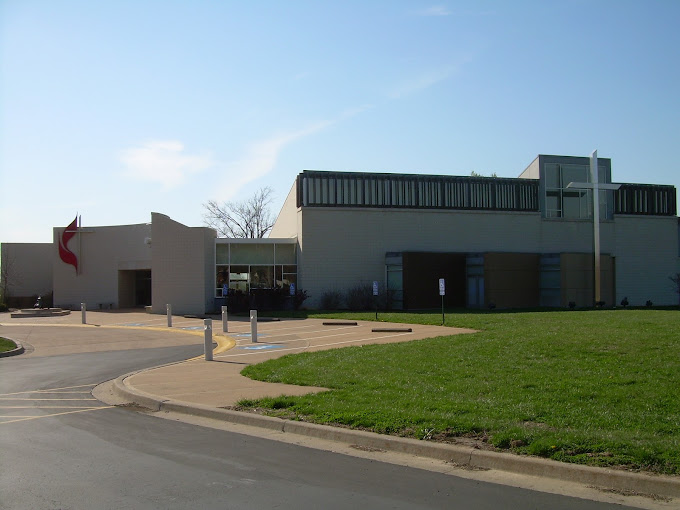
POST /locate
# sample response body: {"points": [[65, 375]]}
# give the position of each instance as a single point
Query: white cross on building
{"points": [[596, 186]]}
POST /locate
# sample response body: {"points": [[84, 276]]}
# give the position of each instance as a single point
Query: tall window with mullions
{"points": [[242, 267], [574, 203]]}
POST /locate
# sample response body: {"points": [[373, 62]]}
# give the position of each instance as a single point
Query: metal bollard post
{"points": [[207, 340], [225, 325], [83, 312], [169, 311], [253, 326]]}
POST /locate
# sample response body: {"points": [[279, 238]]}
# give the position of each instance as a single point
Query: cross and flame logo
{"points": [[67, 255]]}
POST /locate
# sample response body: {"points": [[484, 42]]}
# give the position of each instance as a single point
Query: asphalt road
{"points": [[60, 449]]}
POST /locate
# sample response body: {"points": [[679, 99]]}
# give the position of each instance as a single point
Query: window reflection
{"points": [[242, 267], [573, 203]]}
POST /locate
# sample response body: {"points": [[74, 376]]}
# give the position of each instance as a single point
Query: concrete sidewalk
{"points": [[219, 383], [208, 389]]}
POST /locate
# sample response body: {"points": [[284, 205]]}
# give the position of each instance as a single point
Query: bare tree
{"points": [[248, 219], [676, 280], [8, 273]]}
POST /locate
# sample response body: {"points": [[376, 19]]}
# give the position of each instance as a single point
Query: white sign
{"points": [[442, 287], [375, 288]]}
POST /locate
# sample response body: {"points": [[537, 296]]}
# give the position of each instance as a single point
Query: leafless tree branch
{"points": [[676, 280], [8, 274], [248, 219]]}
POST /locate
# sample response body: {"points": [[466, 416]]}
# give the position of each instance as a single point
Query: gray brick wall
{"points": [[28, 267], [182, 266], [341, 247]]}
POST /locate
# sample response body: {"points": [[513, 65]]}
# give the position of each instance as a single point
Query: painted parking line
{"points": [[50, 390], [262, 347], [284, 334], [141, 323], [49, 407], [66, 393], [307, 327], [176, 325], [307, 339], [371, 338], [50, 399], [154, 324], [283, 328], [59, 401], [55, 414]]}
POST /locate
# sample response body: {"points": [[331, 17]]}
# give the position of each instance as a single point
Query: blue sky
{"points": [[113, 109]]}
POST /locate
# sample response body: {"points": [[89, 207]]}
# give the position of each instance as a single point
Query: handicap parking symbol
{"points": [[261, 347]]}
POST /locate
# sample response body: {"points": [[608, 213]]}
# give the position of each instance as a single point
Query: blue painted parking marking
{"points": [[247, 335], [135, 324], [193, 327], [261, 347]]}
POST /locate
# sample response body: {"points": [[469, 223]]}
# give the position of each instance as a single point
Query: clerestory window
{"points": [[571, 203]]}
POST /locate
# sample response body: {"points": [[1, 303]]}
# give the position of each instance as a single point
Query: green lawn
{"points": [[6, 345], [593, 387]]}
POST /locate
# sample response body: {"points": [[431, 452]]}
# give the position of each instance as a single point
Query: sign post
{"points": [[442, 293], [375, 298]]}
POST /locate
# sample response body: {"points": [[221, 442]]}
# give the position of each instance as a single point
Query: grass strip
{"points": [[6, 345], [593, 387]]}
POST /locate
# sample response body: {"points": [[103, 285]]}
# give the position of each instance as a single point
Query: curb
{"points": [[471, 457], [14, 352]]}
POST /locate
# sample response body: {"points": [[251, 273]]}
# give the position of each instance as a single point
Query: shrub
{"points": [[386, 300], [360, 297], [331, 300], [299, 298]]}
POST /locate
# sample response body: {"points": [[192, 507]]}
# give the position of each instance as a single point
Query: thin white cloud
{"points": [[421, 82], [162, 161], [436, 10], [352, 112], [261, 156]]}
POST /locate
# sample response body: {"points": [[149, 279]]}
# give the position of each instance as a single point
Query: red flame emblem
{"points": [[67, 255]]}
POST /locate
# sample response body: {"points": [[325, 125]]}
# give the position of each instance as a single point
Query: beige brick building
{"points": [[524, 242]]}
